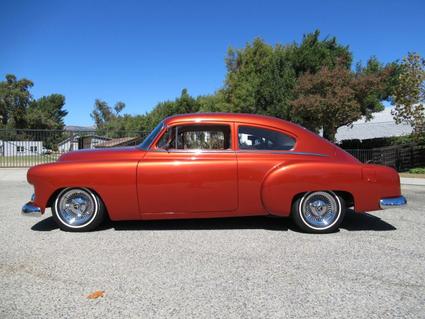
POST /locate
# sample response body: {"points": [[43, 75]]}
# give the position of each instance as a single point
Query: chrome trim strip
{"points": [[29, 209], [240, 151], [191, 151], [281, 152], [392, 202]]}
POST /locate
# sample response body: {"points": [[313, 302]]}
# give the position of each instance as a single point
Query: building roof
{"points": [[77, 136], [381, 125], [117, 142]]}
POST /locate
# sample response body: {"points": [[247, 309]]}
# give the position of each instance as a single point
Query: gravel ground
{"points": [[374, 267]]}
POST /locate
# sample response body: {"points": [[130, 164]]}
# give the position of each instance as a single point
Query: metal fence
{"points": [[23, 148], [400, 157]]}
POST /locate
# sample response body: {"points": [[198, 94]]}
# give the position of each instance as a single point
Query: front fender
{"points": [[113, 181]]}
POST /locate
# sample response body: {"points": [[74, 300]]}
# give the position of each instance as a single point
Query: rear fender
{"points": [[284, 183]]}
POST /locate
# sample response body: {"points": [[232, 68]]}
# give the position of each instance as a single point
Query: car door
{"points": [[192, 168], [259, 149]]}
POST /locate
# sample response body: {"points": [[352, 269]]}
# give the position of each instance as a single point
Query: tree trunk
{"points": [[329, 133]]}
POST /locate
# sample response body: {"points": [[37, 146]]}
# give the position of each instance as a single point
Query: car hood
{"points": [[116, 153]]}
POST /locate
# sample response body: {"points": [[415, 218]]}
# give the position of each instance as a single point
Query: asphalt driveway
{"points": [[234, 268]]}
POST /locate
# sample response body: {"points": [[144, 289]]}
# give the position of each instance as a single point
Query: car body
{"points": [[216, 165]]}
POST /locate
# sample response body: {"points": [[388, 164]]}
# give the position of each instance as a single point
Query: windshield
{"points": [[149, 139]]}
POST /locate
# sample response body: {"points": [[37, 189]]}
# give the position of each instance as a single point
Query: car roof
{"points": [[231, 117]]}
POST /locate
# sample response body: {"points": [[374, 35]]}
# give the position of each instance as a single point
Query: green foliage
{"points": [[375, 84], [313, 54], [47, 113], [183, 104], [409, 93], [111, 123], [384, 141], [311, 83], [418, 138], [417, 170], [335, 96], [326, 100], [15, 98], [259, 80], [18, 108]]}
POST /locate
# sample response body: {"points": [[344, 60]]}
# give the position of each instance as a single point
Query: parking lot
{"points": [[374, 267]]}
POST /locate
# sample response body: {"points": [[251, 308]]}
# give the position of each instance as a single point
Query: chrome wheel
{"points": [[320, 210], [76, 207]]}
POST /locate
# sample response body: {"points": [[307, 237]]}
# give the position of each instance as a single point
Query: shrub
{"points": [[417, 170]]}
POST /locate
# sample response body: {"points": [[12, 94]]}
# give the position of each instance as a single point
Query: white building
{"points": [[21, 148], [77, 142], [381, 125]]}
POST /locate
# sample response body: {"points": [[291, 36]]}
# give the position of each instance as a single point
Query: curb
{"points": [[412, 181]]}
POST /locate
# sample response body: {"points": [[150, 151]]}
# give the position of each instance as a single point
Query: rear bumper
{"points": [[392, 202], [29, 209]]}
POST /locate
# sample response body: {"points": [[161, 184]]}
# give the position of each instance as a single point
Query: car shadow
{"points": [[352, 222], [364, 221], [269, 223]]}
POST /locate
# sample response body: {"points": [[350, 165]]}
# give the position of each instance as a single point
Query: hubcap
{"points": [[320, 210], [76, 207]]}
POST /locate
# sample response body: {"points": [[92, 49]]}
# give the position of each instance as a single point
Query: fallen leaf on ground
{"points": [[96, 294]]}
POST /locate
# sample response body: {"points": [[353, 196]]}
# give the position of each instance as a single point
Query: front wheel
{"points": [[318, 212], [78, 210]]}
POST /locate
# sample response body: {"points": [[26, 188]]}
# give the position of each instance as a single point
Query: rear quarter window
{"points": [[257, 138]]}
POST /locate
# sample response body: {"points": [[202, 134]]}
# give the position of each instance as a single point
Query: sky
{"points": [[144, 52]]}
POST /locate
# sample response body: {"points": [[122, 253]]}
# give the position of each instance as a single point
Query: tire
{"points": [[318, 212], [78, 210]]}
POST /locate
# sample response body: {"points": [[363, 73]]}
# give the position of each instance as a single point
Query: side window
{"points": [[196, 137], [255, 138]]}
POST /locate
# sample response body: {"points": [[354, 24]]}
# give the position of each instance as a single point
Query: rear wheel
{"points": [[318, 212], [78, 210]]}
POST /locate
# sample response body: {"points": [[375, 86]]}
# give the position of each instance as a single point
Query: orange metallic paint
{"points": [[156, 184]]}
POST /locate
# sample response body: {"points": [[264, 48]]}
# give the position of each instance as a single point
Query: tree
{"points": [[311, 83], [109, 120], [336, 96], [326, 100], [183, 104], [103, 114], [375, 84], [18, 108], [213, 103], [409, 93], [313, 53], [259, 80], [15, 98], [47, 113]]}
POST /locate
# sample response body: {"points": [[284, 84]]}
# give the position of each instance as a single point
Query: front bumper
{"points": [[392, 202], [30, 209]]}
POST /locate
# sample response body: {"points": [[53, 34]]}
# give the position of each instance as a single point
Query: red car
{"points": [[213, 165]]}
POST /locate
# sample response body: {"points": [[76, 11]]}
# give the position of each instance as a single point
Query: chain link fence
{"points": [[24, 148]]}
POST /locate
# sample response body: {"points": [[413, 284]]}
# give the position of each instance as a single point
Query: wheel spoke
{"points": [[76, 207], [320, 209]]}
